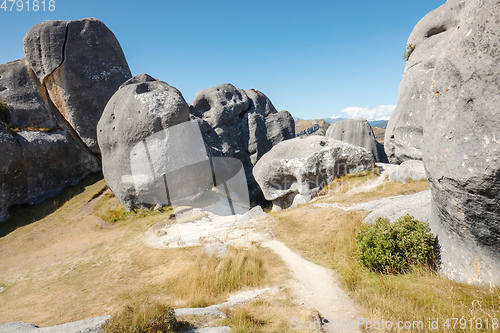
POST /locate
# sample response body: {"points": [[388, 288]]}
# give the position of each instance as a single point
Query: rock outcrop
{"points": [[451, 84], [242, 125], [233, 124], [81, 64], [411, 169], [295, 170], [141, 107], [50, 103], [358, 132]]}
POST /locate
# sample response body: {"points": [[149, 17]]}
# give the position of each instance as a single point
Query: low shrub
{"points": [[393, 248], [409, 50], [147, 318]]}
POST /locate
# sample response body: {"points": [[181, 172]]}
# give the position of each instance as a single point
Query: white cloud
{"points": [[382, 112]]}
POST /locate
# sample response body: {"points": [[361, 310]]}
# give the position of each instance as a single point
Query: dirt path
{"points": [[317, 288], [385, 169]]}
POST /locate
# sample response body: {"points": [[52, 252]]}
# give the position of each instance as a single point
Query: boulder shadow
{"points": [[25, 214]]}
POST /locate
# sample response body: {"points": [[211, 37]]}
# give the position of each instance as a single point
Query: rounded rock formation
{"points": [[358, 132]]}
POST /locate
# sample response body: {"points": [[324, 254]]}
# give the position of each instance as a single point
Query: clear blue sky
{"points": [[312, 58]]}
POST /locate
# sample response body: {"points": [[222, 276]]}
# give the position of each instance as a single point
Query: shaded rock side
{"points": [[40, 154], [81, 64], [242, 125], [295, 170], [456, 63], [141, 107], [358, 132], [38, 165]]}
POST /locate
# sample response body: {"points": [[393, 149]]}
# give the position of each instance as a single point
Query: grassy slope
{"points": [[71, 264], [326, 236]]}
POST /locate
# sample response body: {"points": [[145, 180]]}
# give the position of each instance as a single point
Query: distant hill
{"points": [[379, 123], [309, 127], [379, 134], [319, 127]]}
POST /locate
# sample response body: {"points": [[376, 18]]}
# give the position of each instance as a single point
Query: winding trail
{"points": [[316, 287]]}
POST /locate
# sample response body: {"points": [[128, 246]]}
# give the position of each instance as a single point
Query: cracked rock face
{"points": [[294, 171], [450, 97], [81, 65], [54, 98], [358, 132]]}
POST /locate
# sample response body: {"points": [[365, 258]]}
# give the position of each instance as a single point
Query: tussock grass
{"points": [[210, 278], [272, 314], [327, 236], [144, 318], [111, 210]]}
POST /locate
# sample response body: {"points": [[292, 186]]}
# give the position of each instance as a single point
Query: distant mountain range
{"points": [[304, 127], [333, 120]]}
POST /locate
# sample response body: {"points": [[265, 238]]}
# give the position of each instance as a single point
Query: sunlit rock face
{"points": [[448, 115]]}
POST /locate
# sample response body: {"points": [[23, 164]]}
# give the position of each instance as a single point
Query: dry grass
{"points": [[61, 262], [210, 278], [338, 190], [273, 314], [326, 236]]}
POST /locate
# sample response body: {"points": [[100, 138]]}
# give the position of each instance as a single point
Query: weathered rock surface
{"points": [[295, 170], [92, 325], [451, 84], [243, 125], [81, 64], [411, 169], [25, 98], [358, 132], [41, 154], [233, 124], [417, 205], [141, 107], [54, 98]]}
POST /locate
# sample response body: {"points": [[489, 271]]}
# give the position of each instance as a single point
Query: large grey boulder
{"points": [[411, 169], [295, 170], [242, 125], [358, 132], [81, 64], [457, 65], [141, 107], [417, 205], [404, 139], [41, 154]]}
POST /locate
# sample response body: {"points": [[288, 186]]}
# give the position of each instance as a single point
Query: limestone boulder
{"points": [[404, 139], [411, 169], [41, 154], [449, 98], [295, 170], [241, 124], [358, 132], [81, 64], [142, 107]]}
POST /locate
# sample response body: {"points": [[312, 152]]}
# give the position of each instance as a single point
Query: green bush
{"points": [[393, 248], [409, 50], [149, 318]]}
